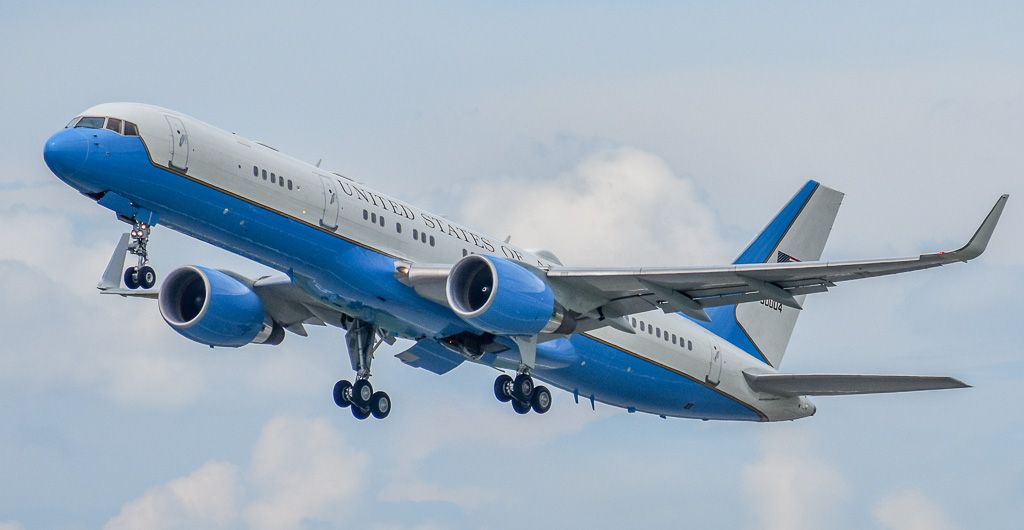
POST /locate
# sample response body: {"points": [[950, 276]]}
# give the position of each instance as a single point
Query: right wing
{"points": [[600, 293]]}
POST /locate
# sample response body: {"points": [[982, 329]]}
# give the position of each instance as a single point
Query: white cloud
{"points": [[206, 498], [301, 470], [452, 423], [911, 510], [789, 487], [617, 207]]}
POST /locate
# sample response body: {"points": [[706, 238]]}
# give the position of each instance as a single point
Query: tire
{"points": [[521, 407], [522, 387], [360, 413], [380, 405], [502, 388], [541, 400], [147, 277], [131, 278], [362, 393], [341, 389]]}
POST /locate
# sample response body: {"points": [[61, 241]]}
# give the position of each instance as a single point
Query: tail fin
{"points": [[797, 233]]}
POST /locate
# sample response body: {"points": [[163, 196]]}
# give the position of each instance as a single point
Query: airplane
{"points": [[693, 342]]}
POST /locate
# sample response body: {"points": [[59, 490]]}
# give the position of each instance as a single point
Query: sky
{"points": [[653, 133]]}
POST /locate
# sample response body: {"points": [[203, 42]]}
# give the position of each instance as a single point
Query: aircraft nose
{"points": [[66, 151]]}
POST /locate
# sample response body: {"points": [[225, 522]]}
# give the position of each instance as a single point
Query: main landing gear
{"points": [[523, 394], [362, 341], [141, 275]]}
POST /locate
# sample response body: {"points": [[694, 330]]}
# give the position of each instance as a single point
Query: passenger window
{"points": [[431, 240], [280, 182], [373, 218], [642, 326], [366, 215], [289, 183], [273, 178], [689, 345], [255, 171], [130, 129], [634, 322], [465, 252], [264, 171], [89, 123], [658, 332], [114, 124], [415, 234], [423, 237], [673, 338], [398, 227], [382, 221]]}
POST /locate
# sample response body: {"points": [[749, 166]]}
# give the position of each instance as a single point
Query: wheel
{"points": [[342, 391], [147, 277], [362, 391], [503, 388], [360, 413], [131, 277], [380, 405], [541, 400], [521, 407], [522, 387]]}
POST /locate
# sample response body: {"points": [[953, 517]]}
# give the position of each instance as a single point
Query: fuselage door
{"points": [[179, 144], [329, 219], [714, 365]]}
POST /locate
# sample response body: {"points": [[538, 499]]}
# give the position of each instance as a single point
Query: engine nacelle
{"points": [[216, 309], [504, 298]]}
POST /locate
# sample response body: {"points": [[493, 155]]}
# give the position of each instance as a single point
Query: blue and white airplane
{"points": [[693, 342]]}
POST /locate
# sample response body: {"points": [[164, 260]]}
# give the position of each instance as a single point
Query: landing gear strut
{"points": [[362, 341], [141, 275], [523, 394]]}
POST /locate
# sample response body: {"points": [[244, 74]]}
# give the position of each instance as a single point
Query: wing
{"points": [[846, 384], [606, 295]]}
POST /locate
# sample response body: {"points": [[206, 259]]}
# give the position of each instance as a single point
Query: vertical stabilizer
{"points": [[797, 233]]}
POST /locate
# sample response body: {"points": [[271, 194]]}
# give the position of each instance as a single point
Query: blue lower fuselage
{"points": [[360, 280]]}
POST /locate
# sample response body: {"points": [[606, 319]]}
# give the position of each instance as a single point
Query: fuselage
{"points": [[341, 241]]}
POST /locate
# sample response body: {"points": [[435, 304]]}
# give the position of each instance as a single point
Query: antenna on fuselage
{"points": [[318, 162]]}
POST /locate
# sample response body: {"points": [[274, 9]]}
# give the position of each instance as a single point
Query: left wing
{"points": [[612, 293]]}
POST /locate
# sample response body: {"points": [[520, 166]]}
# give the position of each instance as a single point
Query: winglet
{"points": [[979, 242], [111, 278]]}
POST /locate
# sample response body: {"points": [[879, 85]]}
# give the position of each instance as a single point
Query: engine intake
{"points": [[216, 309], [499, 296]]}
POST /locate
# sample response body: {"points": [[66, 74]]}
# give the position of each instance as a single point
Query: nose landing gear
{"points": [[141, 275]]}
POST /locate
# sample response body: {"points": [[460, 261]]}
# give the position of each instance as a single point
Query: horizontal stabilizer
{"points": [[846, 384]]}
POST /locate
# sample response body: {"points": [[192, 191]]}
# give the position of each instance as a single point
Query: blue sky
{"points": [[613, 133]]}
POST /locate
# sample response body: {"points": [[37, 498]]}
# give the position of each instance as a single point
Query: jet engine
{"points": [[502, 297], [216, 309]]}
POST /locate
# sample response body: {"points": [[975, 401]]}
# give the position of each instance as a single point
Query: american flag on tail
{"points": [[786, 258]]}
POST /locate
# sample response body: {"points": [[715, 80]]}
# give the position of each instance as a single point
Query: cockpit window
{"points": [[130, 129], [114, 124], [90, 123], [72, 122]]}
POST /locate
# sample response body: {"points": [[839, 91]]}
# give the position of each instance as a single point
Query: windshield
{"points": [[90, 123]]}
